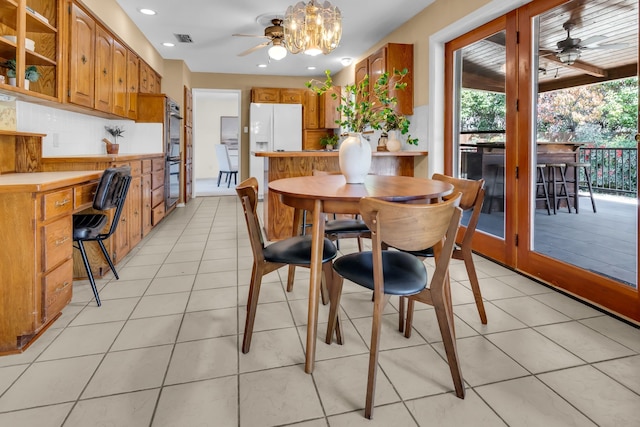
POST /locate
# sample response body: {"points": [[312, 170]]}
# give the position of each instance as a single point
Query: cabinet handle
{"points": [[59, 288], [83, 59], [61, 241], [120, 80], [104, 71], [59, 204]]}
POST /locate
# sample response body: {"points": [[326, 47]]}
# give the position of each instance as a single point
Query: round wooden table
{"points": [[331, 193]]}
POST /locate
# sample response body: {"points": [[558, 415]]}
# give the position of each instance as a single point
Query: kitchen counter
{"points": [[43, 181], [334, 153], [101, 157]]}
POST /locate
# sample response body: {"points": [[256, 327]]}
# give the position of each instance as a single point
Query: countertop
{"points": [[334, 153], [44, 181], [101, 157]]}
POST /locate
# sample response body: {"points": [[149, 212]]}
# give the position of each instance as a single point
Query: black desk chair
{"points": [[111, 193]]}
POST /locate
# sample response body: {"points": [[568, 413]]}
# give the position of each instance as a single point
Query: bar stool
{"points": [[541, 185], [586, 168], [497, 187], [558, 188]]}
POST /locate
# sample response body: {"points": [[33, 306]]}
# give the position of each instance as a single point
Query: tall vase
{"points": [[355, 158], [393, 143]]}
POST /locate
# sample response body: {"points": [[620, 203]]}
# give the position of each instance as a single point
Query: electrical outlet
{"points": [[246, 129]]}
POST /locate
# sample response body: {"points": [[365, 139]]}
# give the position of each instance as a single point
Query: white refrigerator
{"points": [[273, 127]]}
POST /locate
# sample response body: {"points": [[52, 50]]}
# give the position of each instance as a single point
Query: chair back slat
{"points": [[112, 193], [470, 189], [409, 227], [248, 193]]}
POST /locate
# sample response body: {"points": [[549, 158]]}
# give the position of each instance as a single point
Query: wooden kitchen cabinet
{"points": [[187, 173], [133, 69], [119, 81], [390, 57], [291, 96], [82, 30], [157, 191], [103, 68], [146, 197], [310, 110], [328, 112], [17, 18], [265, 94], [149, 79]]}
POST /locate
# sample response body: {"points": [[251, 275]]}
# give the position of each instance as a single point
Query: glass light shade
{"points": [[277, 52], [568, 56], [312, 28]]}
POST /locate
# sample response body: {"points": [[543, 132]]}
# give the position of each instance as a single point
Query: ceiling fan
{"points": [[275, 34], [568, 51]]}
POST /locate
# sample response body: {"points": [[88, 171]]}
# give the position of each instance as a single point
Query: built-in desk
{"points": [[36, 258], [278, 218]]}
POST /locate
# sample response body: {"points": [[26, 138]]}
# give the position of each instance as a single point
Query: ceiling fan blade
{"points": [[592, 40], [546, 52], [607, 46], [250, 35], [253, 49]]}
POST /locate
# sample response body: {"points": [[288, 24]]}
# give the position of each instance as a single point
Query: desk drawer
{"points": [[157, 164], [157, 196], [83, 196], [136, 167], [157, 179], [57, 243], [57, 203], [57, 290]]}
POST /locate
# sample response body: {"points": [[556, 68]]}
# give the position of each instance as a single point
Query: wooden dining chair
{"points": [[408, 227], [294, 251], [472, 199]]}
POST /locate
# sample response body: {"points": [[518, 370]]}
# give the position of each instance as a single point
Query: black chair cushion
{"points": [[404, 274], [425, 253], [89, 226], [345, 226], [297, 250]]}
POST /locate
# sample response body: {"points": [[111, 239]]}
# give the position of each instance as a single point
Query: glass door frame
{"points": [[515, 250]]}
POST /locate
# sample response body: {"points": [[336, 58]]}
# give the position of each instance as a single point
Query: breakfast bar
{"points": [[278, 218]]}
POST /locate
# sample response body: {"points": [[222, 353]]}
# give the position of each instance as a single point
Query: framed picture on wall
{"points": [[229, 131]]}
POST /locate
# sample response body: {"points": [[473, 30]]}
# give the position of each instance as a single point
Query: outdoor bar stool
{"points": [[586, 168], [541, 186], [497, 187], [558, 188]]}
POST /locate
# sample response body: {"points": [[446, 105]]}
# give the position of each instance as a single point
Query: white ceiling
{"points": [[211, 24]]}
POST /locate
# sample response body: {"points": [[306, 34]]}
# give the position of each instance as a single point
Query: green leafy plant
{"points": [[329, 139], [358, 111], [31, 73]]}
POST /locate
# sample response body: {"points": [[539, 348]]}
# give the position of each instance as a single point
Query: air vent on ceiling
{"points": [[184, 38]]}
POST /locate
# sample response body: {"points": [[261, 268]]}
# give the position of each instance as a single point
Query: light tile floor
{"points": [[163, 349]]}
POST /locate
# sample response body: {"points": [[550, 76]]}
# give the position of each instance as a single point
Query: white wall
{"points": [[208, 107], [70, 133]]}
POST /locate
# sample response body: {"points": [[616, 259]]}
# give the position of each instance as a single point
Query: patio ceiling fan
{"points": [[569, 50], [275, 35]]}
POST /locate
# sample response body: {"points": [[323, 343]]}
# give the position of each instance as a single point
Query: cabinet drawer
{"points": [[157, 164], [136, 167], [57, 242], [57, 290], [83, 195], [146, 166], [57, 203], [157, 196], [157, 179], [157, 214], [265, 94]]}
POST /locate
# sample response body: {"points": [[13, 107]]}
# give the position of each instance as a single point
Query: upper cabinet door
{"points": [[119, 106], [133, 65], [81, 57], [104, 70]]}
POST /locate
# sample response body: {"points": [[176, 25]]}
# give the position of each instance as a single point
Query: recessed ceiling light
{"points": [[262, 65], [311, 67], [167, 44], [346, 61], [147, 11]]}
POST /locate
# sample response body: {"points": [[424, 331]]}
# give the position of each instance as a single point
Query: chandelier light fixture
{"points": [[312, 28]]}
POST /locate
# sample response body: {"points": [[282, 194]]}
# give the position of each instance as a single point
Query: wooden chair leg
{"points": [[376, 325], [252, 305], [325, 282], [291, 275], [360, 244], [401, 313], [335, 293], [444, 312], [409, 320], [467, 256]]}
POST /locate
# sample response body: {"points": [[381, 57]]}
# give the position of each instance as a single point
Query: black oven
{"points": [[173, 127]]}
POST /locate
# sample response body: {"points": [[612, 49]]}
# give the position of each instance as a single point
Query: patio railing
{"points": [[613, 170]]}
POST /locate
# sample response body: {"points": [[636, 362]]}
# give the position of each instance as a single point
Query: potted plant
{"points": [[31, 73], [329, 141], [358, 112], [115, 132], [390, 120]]}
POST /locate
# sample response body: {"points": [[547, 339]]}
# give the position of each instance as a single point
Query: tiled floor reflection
{"points": [[163, 350]]}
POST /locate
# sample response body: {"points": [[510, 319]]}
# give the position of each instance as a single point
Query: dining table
{"points": [[331, 194]]}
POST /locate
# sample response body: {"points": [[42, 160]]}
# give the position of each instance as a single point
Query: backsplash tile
{"points": [[71, 133]]}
